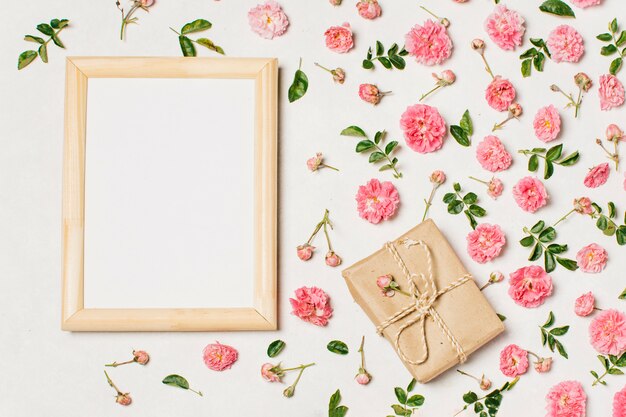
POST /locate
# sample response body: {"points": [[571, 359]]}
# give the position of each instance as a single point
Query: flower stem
{"points": [[488, 283], [578, 102], [430, 201], [481, 181], [612, 156], [430, 92], [322, 67], [487, 67], [362, 353], [327, 223], [298, 367], [197, 392], [498, 126], [564, 217], [111, 383], [328, 166], [125, 19], [115, 364], [599, 379], [318, 227], [466, 374]]}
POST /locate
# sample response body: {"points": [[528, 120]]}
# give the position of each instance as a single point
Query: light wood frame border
{"points": [[263, 316]]}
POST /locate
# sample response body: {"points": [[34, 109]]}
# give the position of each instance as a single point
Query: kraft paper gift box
{"points": [[445, 319]]}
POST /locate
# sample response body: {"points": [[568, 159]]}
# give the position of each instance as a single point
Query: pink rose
{"points": [[492, 155], [268, 20], [500, 94], [218, 357], [592, 258], [377, 201], [505, 27], [566, 399], [384, 281], [597, 175], [332, 259], [584, 305], [530, 286], [123, 399], [586, 3], [530, 194], [369, 9], [485, 242], [305, 252], [608, 332], [339, 38], [513, 361], [438, 177], [543, 365], [312, 305], [611, 92], [565, 44], [583, 205], [335, 2], [614, 133], [619, 403], [429, 44], [495, 188], [147, 3], [141, 357], [370, 93], [363, 377], [314, 163], [424, 128], [547, 123], [269, 372]]}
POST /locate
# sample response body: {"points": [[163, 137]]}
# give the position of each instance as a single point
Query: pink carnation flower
{"points": [[500, 94], [268, 19], [377, 201], [597, 175], [611, 92], [369, 9], [218, 357], [584, 305], [608, 332], [567, 399], [619, 403], [429, 44], [505, 27], [485, 242], [586, 3], [565, 44], [530, 286], [339, 38], [513, 361], [492, 155], [312, 305], [592, 258], [547, 123], [424, 128], [530, 194]]}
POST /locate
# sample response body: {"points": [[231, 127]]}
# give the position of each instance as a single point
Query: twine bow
{"points": [[422, 304]]}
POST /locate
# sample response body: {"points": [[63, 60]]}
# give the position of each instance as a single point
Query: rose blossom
{"points": [[586, 3], [424, 128], [584, 305], [547, 123], [369, 9], [583, 81], [478, 44], [384, 283], [305, 252], [592, 258], [429, 44], [492, 155], [530, 194], [335, 2], [495, 188], [312, 305], [565, 44], [619, 403], [513, 361], [141, 357], [505, 27], [218, 357], [371, 94], [485, 242], [377, 201], [332, 259], [608, 332], [530, 286], [363, 377], [583, 205], [438, 177], [614, 133], [339, 38], [268, 19], [500, 94], [611, 92], [543, 365], [123, 399], [597, 175], [566, 399], [314, 163], [147, 3], [269, 373]]}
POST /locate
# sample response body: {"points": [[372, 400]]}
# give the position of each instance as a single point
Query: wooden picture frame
{"points": [[263, 314]]}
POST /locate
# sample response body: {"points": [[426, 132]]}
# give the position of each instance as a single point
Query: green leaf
{"points": [[548, 170], [376, 156], [470, 397], [527, 67], [197, 25], [393, 50], [275, 348], [536, 253], [527, 241], [369, 53], [364, 145], [411, 385], [533, 163], [622, 296], [398, 409], [400, 395], [26, 58], [620, 235], [622, 38], [379, 136], [299, 86], [470, 198], [549, 261], [557, 7], [567, 263], [477, 211], [615, 371], [613, 26], [501, 317], [608, 50], [176, 381], [338, 347], [455, 207], [559, 331], [45, 28], [43, 53], [207, 43], [621, 361], [449, 198], [390, 147], [547, 235], [57, 41], [466, 123], [460, 135], [615, 66], [397, 61], [544, 337], [539, 61], [570, 159], [604, 37], [340, 411], [59, 24], [385, 61], [380, 49], [415, 401], [551, 342], [602, 223], [456, 186], [538, 227], [604, 361], [31, 38], [556, 248], [472, 220], [186, 46], [530, 53], [611, 207], [335, 399], [478, 407], [353, 131], [538, 42], [367, 64], [554, 153]]}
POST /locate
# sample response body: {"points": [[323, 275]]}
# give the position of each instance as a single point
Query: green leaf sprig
{"points": [[617, 40], [180, 382], [52, 30], [611, 365], [334, 409], [393, 59], [552, 156], [557, 7], [338, 347], [378, 154], [275, 348], [534, 57], [488, 405], [408, 403], [607, 224], [541, 239], [299, 86], [458, 203], [187, 44], [549, 336], [463, 132]]}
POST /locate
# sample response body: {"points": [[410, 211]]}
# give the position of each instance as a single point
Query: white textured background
{"points": [[48, 371]]}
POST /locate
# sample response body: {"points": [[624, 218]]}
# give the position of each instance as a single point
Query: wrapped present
{"points": [[437, 315]]}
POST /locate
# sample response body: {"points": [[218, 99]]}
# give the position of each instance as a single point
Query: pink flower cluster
{"points": [[505, 27], [377, 201], [565, 44], [339, 38], [592, 258], [607, 332], [547, 123], [268, 20], [567, 399], [492, 155], [530, 286], [485, 242], [424, 128], [429, 44], [530, 194], [611, 92], [312, 305], [219, 357]]}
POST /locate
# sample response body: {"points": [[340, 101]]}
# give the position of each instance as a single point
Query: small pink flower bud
{"points": [[314, 162], [339, 75], [543, 365], [332, 259], [478, 44], [363, 377], [614, 133], [147, 3], [448, 76], [305, 252], [485, 383], [384, 281], [438, 177], [445, 22], [583, 81], [515, 109], [585, 304], [495, 188], [370, 93], [583, 205], [496, 276], [141, 357], [271, 373], [123, 399], [335, 2]]}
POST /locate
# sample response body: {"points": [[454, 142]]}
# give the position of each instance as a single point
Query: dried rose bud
{"points": [[515, 109], [363, 377], [485, 383], [289, 391], [370, 93], [271, 372], [583, 205], [332, 259], [305, 252], [335, 2], [555, 88], [146, 3], [141, 357], [614, 133], [123, 399], [314, 162], [496, 276], [583, 81], [445, 22], [438, 177], [339, 75], [543, 365], [478, 44]]}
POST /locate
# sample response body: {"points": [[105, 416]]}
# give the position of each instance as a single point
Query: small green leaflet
{"points": [[557, 7], [463, 132], [198, 25], [299, 86], [180, 382], [338, 347], [334, 409], [275, 348], [623, 295]]}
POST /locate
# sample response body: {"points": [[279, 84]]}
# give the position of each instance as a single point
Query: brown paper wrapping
{"points": [[464, 309]]}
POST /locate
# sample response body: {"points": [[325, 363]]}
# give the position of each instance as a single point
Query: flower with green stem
{"points": [[128, 18], [437, 178], [583, 82], [484, 383], [445, 22], [339, 75], [613, 156], [274, 373], [122, 398], [446, 78], [291, 389], [515, 111], [494, 278], [490, 401], [479, 46], [363, 377]]}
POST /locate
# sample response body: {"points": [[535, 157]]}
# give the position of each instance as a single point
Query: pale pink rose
{"points": [[305, 252], [496, 276], [339, 38], [584, 305], [384, 281], [363, 377], [495, 188], [147, 3], [484, 383], [447, 77], [312, 305], [505, 27], [608, 332], [377, 201], [332, 259], [583, 205], [478, 44], [547, 123], [369, 9], [530, 194], [530, 286], [597, 175], [268, 20], [614, 133], [592, 258], [429, 44], [543, 365], [567, 399], [611, 92], [270, 372], [219, 357], [513, 361], [492, 155], [583, 81], [515, 109], [370, 93], [314, 163], [619, 403], [586, 3], [500, 94], [565, 44], [141, 357], [123, 399], [424, 128], [485, 242], [438, 177], [335, 2]]}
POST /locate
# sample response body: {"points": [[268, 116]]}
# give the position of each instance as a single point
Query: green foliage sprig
{"points": [[52, 30], [458, 203], [607, 225], [378, 154], [611, 365], [488, 405], [557, 7], [408, 403], [299, 86], [617, 40], [534, 57], [391, 60], [187, 44], [552, 156], [334, 409], [549, 336], [463, 132], [541, 239]]}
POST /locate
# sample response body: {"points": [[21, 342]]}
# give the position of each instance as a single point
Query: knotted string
{"points": [[422, 304]]}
